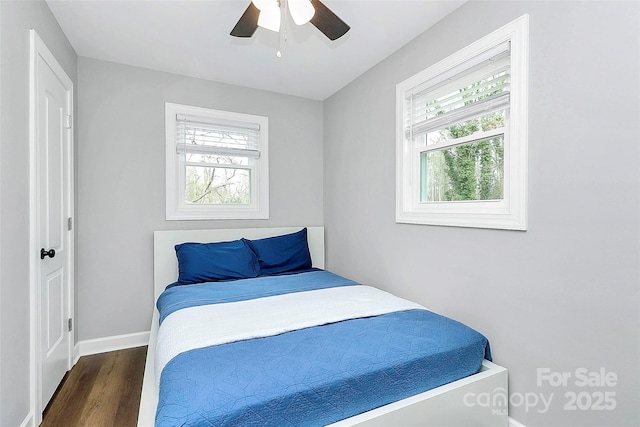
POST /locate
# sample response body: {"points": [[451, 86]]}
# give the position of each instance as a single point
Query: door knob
{"points": [[50, 253]]}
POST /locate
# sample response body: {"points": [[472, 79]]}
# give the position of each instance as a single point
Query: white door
{"points": [[53, 137]]}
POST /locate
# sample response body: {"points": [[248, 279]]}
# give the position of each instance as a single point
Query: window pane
{"points": [[480, 124], [215, 159], [218, 186], [218, 136], [482, 85], [473, 171]]}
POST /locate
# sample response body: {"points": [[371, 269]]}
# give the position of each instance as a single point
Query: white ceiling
{"points": [[192, 38]]}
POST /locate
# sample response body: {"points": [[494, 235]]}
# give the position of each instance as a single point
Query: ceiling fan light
{"points": [[301, 11], [270, 18], [264, 4]]}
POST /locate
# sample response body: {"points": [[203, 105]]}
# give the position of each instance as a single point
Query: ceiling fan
{"points": [[267, 14]]}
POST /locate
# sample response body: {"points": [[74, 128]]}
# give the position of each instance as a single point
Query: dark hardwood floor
{"points": [[102, 390]]}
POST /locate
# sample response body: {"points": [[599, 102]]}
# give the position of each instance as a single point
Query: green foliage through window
{"points": [[473, 170]]}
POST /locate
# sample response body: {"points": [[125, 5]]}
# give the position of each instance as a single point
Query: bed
{"points": [[476, 399]]}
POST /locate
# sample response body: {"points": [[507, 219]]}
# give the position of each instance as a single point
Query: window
{"points": [[217, 164], [462, 136]]}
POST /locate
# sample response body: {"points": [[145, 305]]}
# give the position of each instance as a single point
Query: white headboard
{"points": [[165, 263]]}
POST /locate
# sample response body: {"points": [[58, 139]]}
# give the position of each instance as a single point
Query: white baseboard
{"points": [[103, 345], [28, 422], [514, 423], [76, 354]]}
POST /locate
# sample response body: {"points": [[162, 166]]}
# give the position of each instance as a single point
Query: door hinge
{"points": [[68, 122], [69, 224], [70, 324]]}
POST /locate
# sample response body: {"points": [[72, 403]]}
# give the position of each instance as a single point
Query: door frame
{"points": [[39, 49]]}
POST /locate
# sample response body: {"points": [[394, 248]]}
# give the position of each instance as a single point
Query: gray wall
{"points": [[562, 295], [16, 20], [121, 180]]}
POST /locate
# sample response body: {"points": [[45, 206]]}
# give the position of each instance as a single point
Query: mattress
{"points": [[308, 375]]}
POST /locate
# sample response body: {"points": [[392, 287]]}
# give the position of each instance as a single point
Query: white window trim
{"points": [[509, 213], [176, 208]]}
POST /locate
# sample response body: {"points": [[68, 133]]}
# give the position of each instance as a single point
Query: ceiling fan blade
{"points": [[328, 22], [248, 22]]}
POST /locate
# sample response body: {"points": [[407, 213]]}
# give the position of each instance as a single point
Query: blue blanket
{"points": [[313, 376], [178, 297]]}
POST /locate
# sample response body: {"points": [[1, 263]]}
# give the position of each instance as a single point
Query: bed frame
{"points": [[453, 405]]}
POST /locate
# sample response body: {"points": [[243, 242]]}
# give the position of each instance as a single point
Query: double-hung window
{"points": [[462, 136], [217, 164]]}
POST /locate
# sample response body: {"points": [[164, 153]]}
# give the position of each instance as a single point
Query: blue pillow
{"points": [[281, 254], [210, 262]]}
